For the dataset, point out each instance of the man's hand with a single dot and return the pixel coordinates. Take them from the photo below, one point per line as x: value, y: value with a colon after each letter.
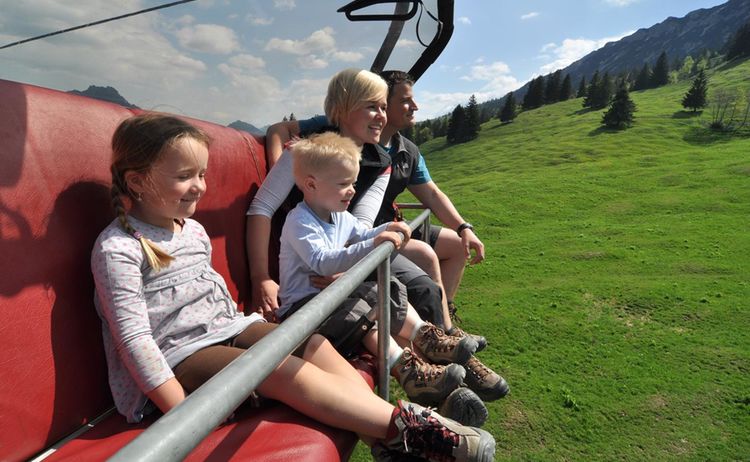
x: 471, y: 241
x: 265, y: 298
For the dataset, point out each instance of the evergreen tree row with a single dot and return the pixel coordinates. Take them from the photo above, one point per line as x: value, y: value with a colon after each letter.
x: 464, y: 124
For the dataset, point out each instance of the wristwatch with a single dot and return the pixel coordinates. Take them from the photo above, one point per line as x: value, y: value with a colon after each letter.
x: 462, y: 227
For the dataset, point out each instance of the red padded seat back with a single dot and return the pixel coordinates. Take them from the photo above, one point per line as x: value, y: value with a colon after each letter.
x: 54, y: 200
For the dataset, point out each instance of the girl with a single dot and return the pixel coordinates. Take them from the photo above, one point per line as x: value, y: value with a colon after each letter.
x: 169, y: 323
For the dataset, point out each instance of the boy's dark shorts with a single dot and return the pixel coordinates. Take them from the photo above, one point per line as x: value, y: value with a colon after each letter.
x: 434, y: 232
x: 358, y: 304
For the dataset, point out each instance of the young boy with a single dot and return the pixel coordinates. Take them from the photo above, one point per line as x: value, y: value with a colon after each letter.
x: 321, y: 238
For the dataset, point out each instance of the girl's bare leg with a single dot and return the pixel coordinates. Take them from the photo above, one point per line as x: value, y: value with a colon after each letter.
x: 327, y: 397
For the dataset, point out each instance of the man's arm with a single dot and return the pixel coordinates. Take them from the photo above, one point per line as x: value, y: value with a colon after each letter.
x: 277, y: 135
x: 433, y: 198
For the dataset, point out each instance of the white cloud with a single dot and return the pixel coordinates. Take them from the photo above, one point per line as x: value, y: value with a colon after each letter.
x: 620, y: 2
x: 258, y: 20
x: 208, y: 38
x: 319, y: 41
x: 248, y: 62
x: 498, y: 81
x: 487, y: 72
x: 464, y: 20
x: 531, y: 15
x: 311, y: 62
x: 573, y: 49
x: 347, y: 56
x: 407, y: 44
x: 284, y: 5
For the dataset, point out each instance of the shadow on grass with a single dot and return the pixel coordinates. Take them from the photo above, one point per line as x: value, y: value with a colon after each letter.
x: 583, y: 111
x: 703, y: 136
x: 686, y: 114
x: 604, y: 129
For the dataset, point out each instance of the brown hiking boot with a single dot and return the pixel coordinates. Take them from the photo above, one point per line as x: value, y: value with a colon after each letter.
x: 440, y: 348
x: 458, y: 332
x: 426, y: 383
x: 424, y: 433
x: 483, y: 381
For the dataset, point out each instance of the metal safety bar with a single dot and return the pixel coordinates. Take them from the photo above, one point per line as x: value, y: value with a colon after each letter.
x: 179, y: 431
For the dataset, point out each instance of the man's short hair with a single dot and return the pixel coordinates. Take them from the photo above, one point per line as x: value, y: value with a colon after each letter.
x: 393, y: 78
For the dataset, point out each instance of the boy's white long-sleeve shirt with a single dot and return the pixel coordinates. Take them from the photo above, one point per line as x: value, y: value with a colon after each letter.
x: 311, y: 246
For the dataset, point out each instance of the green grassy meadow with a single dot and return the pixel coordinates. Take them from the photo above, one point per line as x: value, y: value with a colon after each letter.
x: 616, y: 290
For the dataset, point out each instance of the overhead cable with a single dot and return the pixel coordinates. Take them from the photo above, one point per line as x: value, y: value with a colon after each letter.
x: 166, y: 5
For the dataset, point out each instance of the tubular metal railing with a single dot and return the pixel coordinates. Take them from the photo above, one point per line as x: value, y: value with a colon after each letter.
x: 174, y: 435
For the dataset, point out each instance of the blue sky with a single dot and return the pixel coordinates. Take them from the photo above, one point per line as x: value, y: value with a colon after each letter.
x: 258, y: 60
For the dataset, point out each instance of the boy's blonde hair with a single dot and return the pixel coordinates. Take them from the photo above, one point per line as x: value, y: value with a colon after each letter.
x: 350, y: 90
x: 137, y: 144
x: 325, y: 151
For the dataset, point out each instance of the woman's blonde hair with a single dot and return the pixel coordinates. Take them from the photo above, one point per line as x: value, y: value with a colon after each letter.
x: 137, y: 144
x: 351, y: 89
x: 323, y: 152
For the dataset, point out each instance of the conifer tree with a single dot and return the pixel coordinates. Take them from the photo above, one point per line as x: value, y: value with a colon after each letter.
x: 581, y: 93
x: 552, y: 88
x: 291, y: 116
x: 643, y: 80
x: 472, y: 125
x: 508, y: 112
x: 739, y: 44
x: 534, y: 96
x: 592, y: 90
x: 566, y: 89
x: 620, y: 112
x: 660, y: 76
x: 455, y: 125
x: 695, y: 98
x: 604, y: 94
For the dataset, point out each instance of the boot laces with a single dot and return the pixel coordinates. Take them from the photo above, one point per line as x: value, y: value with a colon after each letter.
x: 438, y: 340
x: 453, y: 312
x: 425, y: 372
x: 425, y: 435
x: 479, y: 370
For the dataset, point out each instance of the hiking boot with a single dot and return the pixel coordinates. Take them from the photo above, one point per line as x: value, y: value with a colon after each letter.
x: 460, y: 333
x: 440, y: 348
x: 424, y: 433
x: 426, y: 383
x: 465, y: 407
x: 483, y: 381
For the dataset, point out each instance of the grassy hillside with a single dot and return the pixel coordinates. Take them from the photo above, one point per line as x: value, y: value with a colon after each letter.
x: 616, y: 290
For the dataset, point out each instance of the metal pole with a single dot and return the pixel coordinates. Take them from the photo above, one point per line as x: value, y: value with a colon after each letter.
x: 384, y: 326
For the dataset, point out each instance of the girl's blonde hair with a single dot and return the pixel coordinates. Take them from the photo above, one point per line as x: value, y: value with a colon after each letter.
x: 323, y: 152
x: 350, y: 90
x: 137, y: 144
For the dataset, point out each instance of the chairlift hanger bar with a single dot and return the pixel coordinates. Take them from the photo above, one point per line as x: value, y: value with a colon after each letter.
x: 400, y: 15
x: 167, y: 5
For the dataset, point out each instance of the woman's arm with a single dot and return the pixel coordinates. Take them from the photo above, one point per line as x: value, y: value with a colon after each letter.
x: 277, y: 135
x: 270, y: 196
x: 367, y: 208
